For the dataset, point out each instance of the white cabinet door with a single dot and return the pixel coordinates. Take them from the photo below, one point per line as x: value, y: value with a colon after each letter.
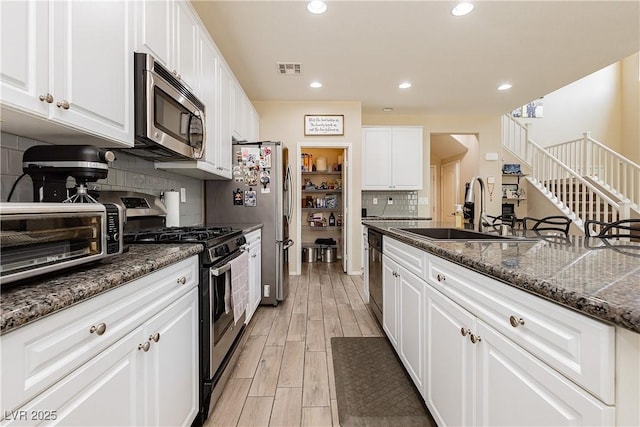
x: 24, y: 55
x: 108, y: 389
x: 171, y: 363
x: 411, y: 328
x: 93, y: 67
x: 210, y: 92
x: 154, y: 29
x: 255, y: 277
x: 238, y: 111
x: 186, y: 36
x: 514, y: 388
x: 390, y: 299
x: 225, y: 117
x: 376, y: 163
x: 253, y: 123
x: 406, y: 159
x: 449, y: 361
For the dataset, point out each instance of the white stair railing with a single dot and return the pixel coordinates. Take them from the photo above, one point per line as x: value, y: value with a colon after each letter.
x: 578, y: 197
x: 515, y: 137
x: 613, y: 171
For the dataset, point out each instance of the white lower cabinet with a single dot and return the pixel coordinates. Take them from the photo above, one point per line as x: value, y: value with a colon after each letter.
x: 448, y: 386
x: 470, y: 369
x: 402, y: 296
x: 390, y: 299
x: 254, y: 247
x: 126, y: 357
x: 515, y: 388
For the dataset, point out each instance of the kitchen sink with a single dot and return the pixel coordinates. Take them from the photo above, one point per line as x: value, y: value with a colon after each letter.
x: 459, y: 234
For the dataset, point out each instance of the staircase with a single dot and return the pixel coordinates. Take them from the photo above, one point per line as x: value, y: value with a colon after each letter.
x: 583, y: 178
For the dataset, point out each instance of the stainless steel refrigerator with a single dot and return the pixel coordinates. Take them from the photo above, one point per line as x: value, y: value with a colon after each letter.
x: 259, y: 192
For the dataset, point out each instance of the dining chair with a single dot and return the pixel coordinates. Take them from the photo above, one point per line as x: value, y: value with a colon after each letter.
x: 549, y: 223
x: 624, y: 228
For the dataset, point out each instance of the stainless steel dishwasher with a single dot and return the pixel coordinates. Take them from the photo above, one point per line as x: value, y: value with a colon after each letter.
x: 375, y: 273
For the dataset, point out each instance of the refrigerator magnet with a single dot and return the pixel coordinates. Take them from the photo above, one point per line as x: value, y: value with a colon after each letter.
x: 265, y: 180
x: 250, y: 176
x: 265, y: 160
x: 238, y: 197
x: 250, y: 198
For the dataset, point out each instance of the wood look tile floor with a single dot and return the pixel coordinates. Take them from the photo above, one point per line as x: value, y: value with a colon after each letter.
x: 284, y: 373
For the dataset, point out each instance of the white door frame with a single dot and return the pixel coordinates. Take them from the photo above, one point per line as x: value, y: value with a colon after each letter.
x: 346, y: 198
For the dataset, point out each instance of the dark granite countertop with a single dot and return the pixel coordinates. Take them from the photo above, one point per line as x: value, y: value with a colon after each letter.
x: 582, y: 274
x: 396, y: 218
x: 24, y: 303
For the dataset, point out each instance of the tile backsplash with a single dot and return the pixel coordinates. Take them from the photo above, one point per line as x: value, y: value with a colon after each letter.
x: 405, y: 203
x: 126, y: 173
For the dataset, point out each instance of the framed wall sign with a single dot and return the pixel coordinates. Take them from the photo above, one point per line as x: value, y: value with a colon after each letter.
x: 324, y: 124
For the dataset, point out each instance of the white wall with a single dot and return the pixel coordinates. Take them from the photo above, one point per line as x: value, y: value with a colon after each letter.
x: 631, y: 108
x: 284, y: 121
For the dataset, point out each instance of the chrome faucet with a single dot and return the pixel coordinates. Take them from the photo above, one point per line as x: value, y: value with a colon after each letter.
x: 471, y: 197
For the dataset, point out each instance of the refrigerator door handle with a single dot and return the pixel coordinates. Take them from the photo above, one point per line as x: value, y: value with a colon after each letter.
x: 287, y: 244
x: 288, y: 189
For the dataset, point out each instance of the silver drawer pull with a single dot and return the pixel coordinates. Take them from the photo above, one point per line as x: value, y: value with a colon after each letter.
x: 100, y: 329
x: 182, y: 280
x: 155, y: 337
x: 464, y: 331
x: 475, y: 338
x: 46, y: 97
x: 516, y: 321
x: 145, y: 347
x: 63, y: 104
x: 441, y: 278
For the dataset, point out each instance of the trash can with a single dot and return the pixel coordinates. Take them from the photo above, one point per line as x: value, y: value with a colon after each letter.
x: 329, y: 254
x: 309, y: 254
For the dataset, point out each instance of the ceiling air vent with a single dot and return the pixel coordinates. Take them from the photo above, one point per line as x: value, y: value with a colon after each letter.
x: 289, y: 68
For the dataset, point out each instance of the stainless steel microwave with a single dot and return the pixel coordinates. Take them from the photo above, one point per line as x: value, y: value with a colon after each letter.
x: 169, y: 119
x: 39, y: 238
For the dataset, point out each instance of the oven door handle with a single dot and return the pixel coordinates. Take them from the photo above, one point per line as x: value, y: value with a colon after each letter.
x: 219, y: 271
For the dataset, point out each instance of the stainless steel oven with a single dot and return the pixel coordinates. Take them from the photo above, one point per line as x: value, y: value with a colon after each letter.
x: 169, y: 119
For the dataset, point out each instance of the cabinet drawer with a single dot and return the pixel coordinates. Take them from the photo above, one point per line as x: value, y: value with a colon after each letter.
x: 577, y: 346
x: 46, y: 350
x: 413, y: 259
x: 253, y: 237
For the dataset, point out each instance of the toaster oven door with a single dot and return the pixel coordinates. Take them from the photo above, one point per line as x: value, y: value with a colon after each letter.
x: 36, y: 243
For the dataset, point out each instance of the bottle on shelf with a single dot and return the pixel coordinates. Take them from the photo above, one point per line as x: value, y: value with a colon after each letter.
x: 332, y: 220
x: 459, y: 216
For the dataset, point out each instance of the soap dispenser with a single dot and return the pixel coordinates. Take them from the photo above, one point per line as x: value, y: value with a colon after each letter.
x: 459, y: 216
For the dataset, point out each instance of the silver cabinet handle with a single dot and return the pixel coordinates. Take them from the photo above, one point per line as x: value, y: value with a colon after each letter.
x: 516, y: 321
x: 182, y: 280
x: 99, y: 330
x: 254, y: 255
x: 464, y: 331
x: 145, y: 347
x: 63, y: 104
x: 46, y: 97
x: 441, y: 278
x: 475, y: 338
x: 155, y: 337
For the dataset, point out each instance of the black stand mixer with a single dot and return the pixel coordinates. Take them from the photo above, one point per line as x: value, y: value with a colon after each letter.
x: 49, y: 166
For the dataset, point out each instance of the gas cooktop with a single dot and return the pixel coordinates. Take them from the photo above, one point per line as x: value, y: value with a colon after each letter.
x: 208, y: 235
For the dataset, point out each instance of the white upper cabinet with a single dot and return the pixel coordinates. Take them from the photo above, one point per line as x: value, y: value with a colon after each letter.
x: 70, y: 62
x: 170, y: 32
x: 224, y: 120
x: 392, y: 158
x: 25, y: 55
x: 186, y: 37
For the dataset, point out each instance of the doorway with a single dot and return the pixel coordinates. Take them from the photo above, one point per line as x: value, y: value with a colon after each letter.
x: 324, y: 200
x: 450, y: 189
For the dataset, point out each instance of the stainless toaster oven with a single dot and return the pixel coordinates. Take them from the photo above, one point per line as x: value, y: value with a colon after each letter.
x: 39, y: 238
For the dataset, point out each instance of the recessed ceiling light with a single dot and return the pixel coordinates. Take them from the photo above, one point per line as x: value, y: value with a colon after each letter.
x: 315, y: 85
x: 405, y: 85
x: 387, y: 109
x: 504, y: 86
x: 317, y: 7
x: 462, y: 9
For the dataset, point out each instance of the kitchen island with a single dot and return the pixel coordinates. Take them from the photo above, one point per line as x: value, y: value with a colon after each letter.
x: 541, y: 332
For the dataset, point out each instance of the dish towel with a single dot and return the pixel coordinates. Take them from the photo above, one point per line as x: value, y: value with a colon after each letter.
x: 240, y: 283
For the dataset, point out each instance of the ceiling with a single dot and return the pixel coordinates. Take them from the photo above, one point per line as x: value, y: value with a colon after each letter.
x: 362, y: 50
